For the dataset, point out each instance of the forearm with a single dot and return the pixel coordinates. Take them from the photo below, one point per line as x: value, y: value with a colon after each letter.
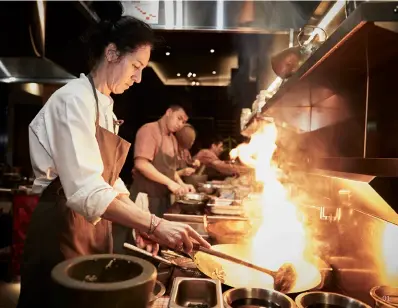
x: 224, y: 168
x: 150, y: 172
x: 123, y: 211
x: 178, y: 179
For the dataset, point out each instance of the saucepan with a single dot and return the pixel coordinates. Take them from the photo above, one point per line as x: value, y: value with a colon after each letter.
x: 310, y: 276
x: 385, y: 296
x: 192, y: 202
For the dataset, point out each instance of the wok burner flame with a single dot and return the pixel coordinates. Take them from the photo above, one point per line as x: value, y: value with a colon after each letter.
x: 281, y: 237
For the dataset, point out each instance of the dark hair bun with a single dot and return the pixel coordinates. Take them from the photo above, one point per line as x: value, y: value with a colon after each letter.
x: 110, y: 11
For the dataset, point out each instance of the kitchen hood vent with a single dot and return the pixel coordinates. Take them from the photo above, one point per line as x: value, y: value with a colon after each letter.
x: 37, y: 69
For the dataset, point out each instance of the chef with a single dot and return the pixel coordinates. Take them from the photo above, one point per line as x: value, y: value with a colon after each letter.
x: 77, y: 157
x: 155, y: 161
x: 215, y: 167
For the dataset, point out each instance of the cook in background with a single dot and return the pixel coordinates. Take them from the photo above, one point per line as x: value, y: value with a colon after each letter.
x: 77, y: 157
x: 186, y: 137
x: 216, y: 169
x: 155, y: 160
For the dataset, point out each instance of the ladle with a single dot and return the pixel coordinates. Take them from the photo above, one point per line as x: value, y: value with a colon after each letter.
x: 284, y: 278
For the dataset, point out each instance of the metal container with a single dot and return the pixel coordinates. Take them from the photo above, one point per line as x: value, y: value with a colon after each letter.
x: 246, y: 297
x: 207, y: 188
x: 195, y: 197
x: 325, y: 299
x: 104, y: 280
x: 202, y: 292
x: 384, y: 296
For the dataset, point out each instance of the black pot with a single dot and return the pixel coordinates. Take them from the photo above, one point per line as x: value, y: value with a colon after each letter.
x: 106, y: 280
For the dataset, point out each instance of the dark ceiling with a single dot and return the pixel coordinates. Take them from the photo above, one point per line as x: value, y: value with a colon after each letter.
x: 189, y: 51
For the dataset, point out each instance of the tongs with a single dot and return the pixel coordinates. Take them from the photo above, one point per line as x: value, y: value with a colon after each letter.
x: 158, y: 258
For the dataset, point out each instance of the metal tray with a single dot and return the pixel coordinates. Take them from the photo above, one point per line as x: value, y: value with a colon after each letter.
x: 187, y: 292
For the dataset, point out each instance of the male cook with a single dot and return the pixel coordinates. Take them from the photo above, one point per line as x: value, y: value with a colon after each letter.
x: 155, y: 161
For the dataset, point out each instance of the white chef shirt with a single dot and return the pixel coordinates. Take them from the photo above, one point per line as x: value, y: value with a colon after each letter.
x: 62, y: 143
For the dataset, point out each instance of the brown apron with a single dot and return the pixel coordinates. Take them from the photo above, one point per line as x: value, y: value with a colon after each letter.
x: 158, y: 194
x: 57, y: 233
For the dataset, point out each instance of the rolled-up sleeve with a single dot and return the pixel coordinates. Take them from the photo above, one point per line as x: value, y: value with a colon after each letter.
x: 70, y: 125
x: 120, y: 187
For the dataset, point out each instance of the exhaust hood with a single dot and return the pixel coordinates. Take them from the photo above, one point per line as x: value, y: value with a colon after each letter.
x: 31, y: 69
x: 272, y: 17
x: 37, y: 69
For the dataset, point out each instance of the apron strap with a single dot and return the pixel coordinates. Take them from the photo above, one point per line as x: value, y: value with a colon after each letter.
x: 175, y: 152
x: 90, y: 78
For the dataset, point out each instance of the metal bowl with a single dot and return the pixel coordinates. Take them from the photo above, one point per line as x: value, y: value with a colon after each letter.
x: 324, y: 299
x: 206, y: 188
x: 384, y: 296
x: 242, y: 297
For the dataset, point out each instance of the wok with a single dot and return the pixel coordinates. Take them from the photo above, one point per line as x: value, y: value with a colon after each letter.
x: 229, y: 232
x: 238, y: 276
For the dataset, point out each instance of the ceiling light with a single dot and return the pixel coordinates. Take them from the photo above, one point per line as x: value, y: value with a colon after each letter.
x: 189, y: 74
x: 211, y: 50
x: 167, y: 53
x: 193, y: 75
x: 214, y: 72
x: 197, y: 83
x: 178, y: 74
x: 193, y: 83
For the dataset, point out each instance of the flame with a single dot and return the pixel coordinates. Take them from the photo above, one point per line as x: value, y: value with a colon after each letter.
x: 390, y: 255
x: 281, y: 237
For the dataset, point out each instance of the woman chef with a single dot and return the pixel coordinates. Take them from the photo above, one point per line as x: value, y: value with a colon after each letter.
x: 77, y: 157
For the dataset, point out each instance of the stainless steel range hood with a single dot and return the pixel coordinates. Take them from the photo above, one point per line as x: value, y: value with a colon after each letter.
x: 37, y: 69
x: 31, y: 69
x: 275, y: 17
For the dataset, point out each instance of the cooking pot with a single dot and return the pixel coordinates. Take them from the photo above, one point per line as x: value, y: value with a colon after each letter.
x: 324, y: 299
x: 105, y: 280
x: 385, y: 296
x: 246, y: 297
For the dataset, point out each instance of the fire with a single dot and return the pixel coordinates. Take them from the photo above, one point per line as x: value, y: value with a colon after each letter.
x: 281, y: 237
x: 390, y: 255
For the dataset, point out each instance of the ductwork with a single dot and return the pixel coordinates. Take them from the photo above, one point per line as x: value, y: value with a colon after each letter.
x: 37, y: 69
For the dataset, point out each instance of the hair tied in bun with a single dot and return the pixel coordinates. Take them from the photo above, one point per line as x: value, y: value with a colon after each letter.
x: 108, y: 11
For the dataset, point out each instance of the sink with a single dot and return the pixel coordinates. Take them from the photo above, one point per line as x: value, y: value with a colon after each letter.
x: 191, y: 292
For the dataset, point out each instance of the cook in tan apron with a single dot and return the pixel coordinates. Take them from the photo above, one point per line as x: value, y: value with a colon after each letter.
x: 158, y: 194
x: 57, y: 233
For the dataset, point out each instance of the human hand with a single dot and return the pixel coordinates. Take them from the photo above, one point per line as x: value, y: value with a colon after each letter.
x: 196, y: 163
x: 143, y: 241
x: 188, y: 171
x: 191, y: 188
x: 179, y: 190
x: 177, y: 236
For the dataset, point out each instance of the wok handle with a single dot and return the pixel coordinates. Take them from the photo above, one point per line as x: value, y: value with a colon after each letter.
x: 233, y: 259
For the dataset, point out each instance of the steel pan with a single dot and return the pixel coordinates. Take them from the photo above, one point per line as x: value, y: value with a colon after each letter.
x: 238, y: 276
